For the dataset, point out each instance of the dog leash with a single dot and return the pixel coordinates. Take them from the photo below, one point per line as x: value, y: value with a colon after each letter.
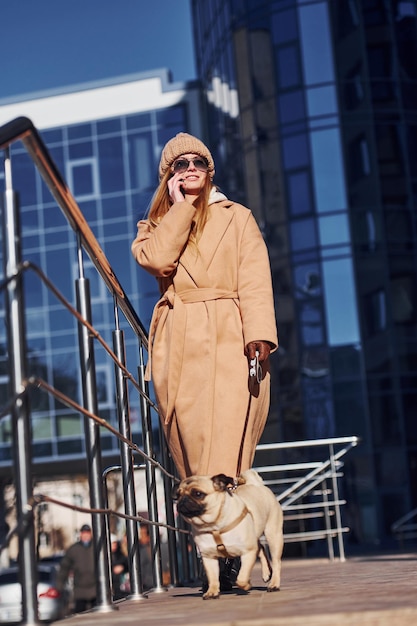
x: 245, y: 426
x: 217, y: 533
x: 255, y: 373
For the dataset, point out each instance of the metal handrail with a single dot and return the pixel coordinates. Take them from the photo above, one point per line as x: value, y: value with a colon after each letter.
x: 309, y: 443
x: 23, y: 129
x: 396, y: 526
x: 403, y: 528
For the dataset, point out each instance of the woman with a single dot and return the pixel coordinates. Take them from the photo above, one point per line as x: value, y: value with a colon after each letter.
x: 215, y: 313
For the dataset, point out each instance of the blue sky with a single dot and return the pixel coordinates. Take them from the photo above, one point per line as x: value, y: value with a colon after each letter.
x: 46, y: 44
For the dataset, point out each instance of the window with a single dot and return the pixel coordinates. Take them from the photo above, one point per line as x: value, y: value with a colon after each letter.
x: 141, y: 160
x: 111, y: 165
x: 311, y: 324
x: 307, y: 280
x: 295, y: 151
x: 403, y: 299
x: 109, y: 126
x: 142, y: 120
x: 79, y: 131
x: 41, y: 427
x: 24, y: 179
x: 52, y: 136
x: 33, y: 286
x: 80, y: 150
x: 340, y: 302
x: 316, y: 47
x: 82, y: 177
x: 383, y: 410
x: 5, y: 422
x: 171, y: 116
x: 69, y: 425
x: 299, y: 193
x: 399, y: 229
x: 284, y: 26
x: 291, y: 107
x: 58, y: 271
x: 288, y: 67
x: 390, y: 148
x: 376, y: 311
x: 321, y: 101
x: 105, y: 389
x: 354, y: 89
x: 348, y: 17
x: 328, y: 171
x: 367, y: 230
x: 359, y: 159
x: 380, y: 69
x: 303, y: 234
x: 334, y: 230
x: 65, y: 372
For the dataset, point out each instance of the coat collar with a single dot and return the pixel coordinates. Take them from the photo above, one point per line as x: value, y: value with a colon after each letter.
x: 216, y: 195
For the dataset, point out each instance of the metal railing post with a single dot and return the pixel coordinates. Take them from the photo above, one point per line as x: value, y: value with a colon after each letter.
x: 327, y: 519
x: 21, y: 411
x: 169, y: 511
x: 337, y: 507
x: 150, y: 477
x: 184, y: 546
x: 127, y: 467
x: 93, y: 447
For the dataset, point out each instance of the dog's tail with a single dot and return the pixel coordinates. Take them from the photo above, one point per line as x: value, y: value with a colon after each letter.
x: 250, y: 477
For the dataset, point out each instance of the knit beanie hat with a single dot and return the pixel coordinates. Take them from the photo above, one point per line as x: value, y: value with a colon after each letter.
x: 183, y: 143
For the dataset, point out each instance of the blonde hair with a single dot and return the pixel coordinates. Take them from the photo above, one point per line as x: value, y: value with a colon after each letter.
x: 161, y: 203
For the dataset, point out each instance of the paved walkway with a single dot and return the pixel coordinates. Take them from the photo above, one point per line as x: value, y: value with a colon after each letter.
x: 378, y: 590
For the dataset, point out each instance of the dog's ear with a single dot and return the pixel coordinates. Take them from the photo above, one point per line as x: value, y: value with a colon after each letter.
x: 221, y: 481
x: 174, y: 491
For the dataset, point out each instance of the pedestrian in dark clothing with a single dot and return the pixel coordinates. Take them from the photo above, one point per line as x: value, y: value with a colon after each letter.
x: 79, y: 561
x: 119, y: 568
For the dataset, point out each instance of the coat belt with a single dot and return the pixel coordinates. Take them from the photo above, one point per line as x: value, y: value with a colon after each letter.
x: 177, y: 301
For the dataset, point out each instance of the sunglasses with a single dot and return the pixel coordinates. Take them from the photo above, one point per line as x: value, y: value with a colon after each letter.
x: 181, y: 165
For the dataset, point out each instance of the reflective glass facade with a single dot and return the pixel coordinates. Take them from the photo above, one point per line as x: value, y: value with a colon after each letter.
x: 322, y: 147
x: 110, y: 165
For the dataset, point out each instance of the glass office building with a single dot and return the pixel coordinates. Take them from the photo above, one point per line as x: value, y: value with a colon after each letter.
x: 311, y: 106
x: 106, y: 139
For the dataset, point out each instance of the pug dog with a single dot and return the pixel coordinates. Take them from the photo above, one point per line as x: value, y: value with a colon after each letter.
x: 228, y: 518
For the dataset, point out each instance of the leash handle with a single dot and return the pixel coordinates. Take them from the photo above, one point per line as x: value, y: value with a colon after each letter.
x: 255, y: 368
x: 255, y: 373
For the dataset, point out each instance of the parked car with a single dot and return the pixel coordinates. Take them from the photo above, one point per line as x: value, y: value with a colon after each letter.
x: 50, y: 601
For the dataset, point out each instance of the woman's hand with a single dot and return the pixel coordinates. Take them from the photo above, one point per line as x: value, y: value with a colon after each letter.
x: 175, y: 188
x: 262, y: 347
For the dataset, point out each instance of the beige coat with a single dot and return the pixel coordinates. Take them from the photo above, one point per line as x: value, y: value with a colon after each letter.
x: 214, y: 302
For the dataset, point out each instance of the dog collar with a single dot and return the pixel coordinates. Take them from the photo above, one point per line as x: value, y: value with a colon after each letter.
x: 217, y: 533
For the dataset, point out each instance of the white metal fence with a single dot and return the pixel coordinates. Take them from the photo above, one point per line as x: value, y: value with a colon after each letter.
x: 306, y: 482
